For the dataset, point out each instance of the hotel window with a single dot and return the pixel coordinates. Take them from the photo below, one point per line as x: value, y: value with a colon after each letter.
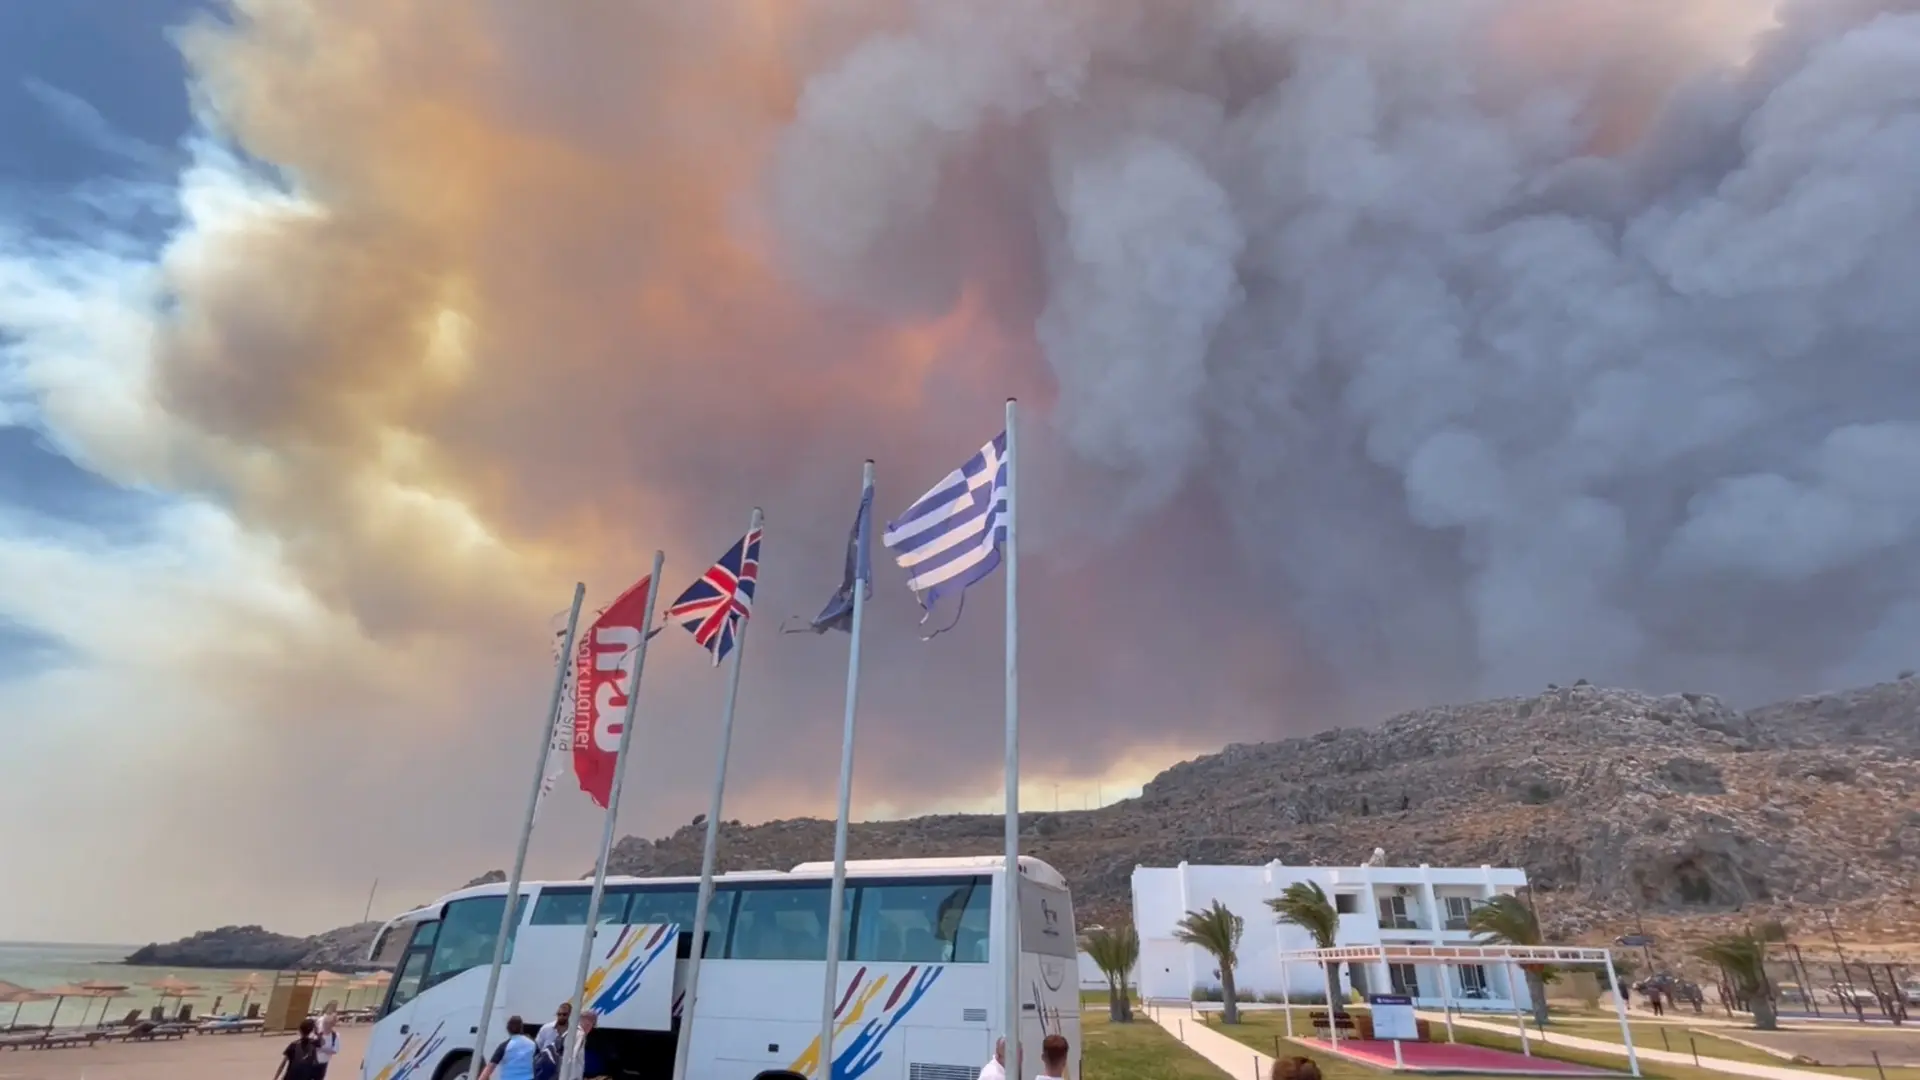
x: 1405, y: 980
x: 1458, y: 908
x: 1473, y: 981
x: 1393, y: 913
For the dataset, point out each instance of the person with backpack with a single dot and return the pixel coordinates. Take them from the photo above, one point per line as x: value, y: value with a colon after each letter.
x: 326, y: 1037
x: 512, y: 1059
x: 301, y: 1059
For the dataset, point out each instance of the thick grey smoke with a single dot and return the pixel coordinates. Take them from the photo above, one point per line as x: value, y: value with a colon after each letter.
x: 1515, y: 347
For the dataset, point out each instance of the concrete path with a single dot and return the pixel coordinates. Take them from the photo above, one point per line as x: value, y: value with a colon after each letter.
x: 1574, y: 1042
x: 1230, y: 1056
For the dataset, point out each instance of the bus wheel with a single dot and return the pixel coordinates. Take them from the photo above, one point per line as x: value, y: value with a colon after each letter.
x: 455, y: 1067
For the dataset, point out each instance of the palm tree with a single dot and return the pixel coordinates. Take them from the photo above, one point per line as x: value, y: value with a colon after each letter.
x: 1217, y: 930
x: 1116, y: 952
x: 1505, y: 920
x: 1743, y: 957
x: 1304, y: 904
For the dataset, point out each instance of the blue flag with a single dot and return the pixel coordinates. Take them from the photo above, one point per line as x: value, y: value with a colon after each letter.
x: 838, y: 614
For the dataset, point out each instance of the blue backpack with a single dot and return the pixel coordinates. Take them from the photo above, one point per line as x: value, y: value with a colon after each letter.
x: 546, y: 1061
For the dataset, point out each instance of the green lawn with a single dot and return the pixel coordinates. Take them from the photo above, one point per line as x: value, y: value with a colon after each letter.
x: 1137, y: 1051
x: 1260, y: 1029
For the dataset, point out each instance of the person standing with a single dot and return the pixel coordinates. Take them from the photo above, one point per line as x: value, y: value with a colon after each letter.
x: 555, y: 1029
x: 996, y: 1066
x: 1053, y: 1057
x: 326, y: 1039
x: 300, y: 1060
x: 512, y: 1059
x: 583, y: 1060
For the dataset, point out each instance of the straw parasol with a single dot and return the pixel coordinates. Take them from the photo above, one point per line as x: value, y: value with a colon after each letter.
x: 172, y: 987
x: 246, y: 988
x: 16, y: 995
x: 366, y: 981
x: 328, y: 978
x: 64, y: 991
x: 107, y: 990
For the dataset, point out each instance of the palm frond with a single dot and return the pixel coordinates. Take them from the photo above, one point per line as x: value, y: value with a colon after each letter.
x: 1504, y: 920
x: 1304, y: 904
x: 1215, y: 929
x: 1114, y: 952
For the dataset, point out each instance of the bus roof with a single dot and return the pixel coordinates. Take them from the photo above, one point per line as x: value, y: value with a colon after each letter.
x: 1031, y: 868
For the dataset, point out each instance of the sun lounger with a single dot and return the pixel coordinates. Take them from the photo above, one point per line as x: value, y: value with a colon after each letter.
x: 148, y: 1031
x: 63, y: 1040
x: 231, y: 1026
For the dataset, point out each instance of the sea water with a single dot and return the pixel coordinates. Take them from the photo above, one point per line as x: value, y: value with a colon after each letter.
x: 45, y: 965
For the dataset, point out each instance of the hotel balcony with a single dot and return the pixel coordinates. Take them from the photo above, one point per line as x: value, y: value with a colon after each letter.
x: 1407, y: 923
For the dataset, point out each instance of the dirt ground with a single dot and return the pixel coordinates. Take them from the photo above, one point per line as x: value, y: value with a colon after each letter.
x: 198, y: 1057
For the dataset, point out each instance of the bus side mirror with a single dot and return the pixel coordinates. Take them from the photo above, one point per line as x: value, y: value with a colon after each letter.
x: 780, y: 1074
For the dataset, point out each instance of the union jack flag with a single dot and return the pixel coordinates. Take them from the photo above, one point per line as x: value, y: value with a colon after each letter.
x: 714, y: 608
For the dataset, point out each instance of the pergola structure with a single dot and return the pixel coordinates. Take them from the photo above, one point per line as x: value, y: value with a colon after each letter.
x: 1509, y: 958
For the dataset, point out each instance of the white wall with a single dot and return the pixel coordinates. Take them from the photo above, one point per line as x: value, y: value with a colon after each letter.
x: 1091, y: 977
x: 1171, y: 970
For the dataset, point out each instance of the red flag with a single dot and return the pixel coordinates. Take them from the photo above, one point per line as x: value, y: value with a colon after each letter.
x: 602, y: 665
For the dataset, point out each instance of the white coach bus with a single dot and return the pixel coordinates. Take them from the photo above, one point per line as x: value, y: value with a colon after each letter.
x: 921, y: 987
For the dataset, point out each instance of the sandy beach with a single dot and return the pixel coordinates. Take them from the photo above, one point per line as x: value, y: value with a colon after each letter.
x: 198, y: 1057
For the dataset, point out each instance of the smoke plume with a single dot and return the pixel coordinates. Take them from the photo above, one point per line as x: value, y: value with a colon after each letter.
x: 1374, y: 352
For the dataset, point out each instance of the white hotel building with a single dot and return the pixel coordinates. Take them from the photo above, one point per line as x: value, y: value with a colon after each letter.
x: 1378, y: 905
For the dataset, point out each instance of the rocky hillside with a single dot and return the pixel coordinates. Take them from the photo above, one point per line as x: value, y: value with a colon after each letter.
x: 1675, y: 813
x: 254, y: 947
x: 1623, y: 807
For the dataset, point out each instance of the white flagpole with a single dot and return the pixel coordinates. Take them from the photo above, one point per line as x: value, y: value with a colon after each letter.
x: 613, y: 796
x: 511, y: 908
x: 1015, y: 1066
x: 684, y: 1041
x: 830, y: 992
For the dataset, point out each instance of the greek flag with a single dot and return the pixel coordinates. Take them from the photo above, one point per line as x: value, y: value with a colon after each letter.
x: 951, y: 537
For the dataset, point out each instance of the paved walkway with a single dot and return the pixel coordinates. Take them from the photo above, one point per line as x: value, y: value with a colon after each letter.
x: 1231, y: 1056
x: 1574, y: 1042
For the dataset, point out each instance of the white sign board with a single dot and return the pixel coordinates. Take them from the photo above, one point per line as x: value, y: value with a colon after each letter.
x: 629, y: 979
x: 1393, y: 1018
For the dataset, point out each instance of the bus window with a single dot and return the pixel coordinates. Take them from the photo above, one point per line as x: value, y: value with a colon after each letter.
x: 412, y: 967
x: 785, y: 922
x: 924, y: 922
x: 407, y: 984
x: 467, y: 932
x: 719, y: 921
x: 652, y: 906
x: 568, y: 907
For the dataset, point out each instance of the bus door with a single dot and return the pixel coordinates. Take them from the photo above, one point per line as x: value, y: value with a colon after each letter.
x: 395, y: 1040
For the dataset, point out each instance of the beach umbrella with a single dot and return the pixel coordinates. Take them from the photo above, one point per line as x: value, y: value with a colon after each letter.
x: 16, y: 995
x: 171, y: 987
x: 106, y: 990
x: 375, y: 981
x: 61, y: 993
x: 328, y: 978
x: 246, y: 988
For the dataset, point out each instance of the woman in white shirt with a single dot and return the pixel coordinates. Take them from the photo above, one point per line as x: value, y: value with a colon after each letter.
x: 328, y: 1034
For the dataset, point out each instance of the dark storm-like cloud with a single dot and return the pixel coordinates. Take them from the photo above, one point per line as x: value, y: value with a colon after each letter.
x: 1373, y: 353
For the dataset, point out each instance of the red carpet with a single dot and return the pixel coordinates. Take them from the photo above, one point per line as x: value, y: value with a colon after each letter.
x: 1454, y: 1057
